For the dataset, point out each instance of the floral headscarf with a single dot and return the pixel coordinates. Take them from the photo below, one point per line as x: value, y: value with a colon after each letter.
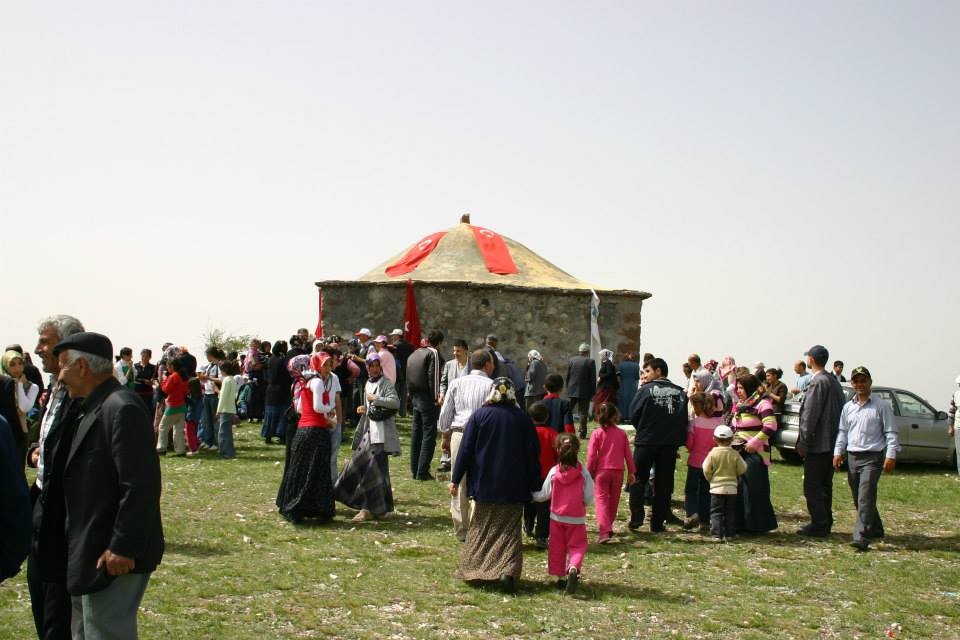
x: 503, y: 391
x: 533, y: 354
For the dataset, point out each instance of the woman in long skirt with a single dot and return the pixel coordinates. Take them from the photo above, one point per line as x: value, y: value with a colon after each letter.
x: 499, y: 457
x: 307, y: 488
x: 364, y: 483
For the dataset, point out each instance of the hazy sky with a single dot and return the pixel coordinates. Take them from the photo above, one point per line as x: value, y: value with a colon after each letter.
x: 775, y: 174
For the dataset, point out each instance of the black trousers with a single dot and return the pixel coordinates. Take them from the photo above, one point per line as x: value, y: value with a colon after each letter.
x: 582, y: 407
x: 723, y: 515
x: 665, y: 460
x: 818, y: 490
x: 50, y: 603
x: 536, y: 519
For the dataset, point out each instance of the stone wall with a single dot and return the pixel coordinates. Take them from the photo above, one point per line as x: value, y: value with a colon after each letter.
x: 552, y: 321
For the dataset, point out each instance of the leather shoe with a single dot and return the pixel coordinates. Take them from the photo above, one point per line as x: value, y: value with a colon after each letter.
x: 508, y: 584
x: 810, y: 532
x: 860, y: 545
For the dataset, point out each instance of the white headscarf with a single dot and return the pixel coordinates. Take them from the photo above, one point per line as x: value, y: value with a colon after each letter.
x: 533, y: 354
x: 606, y: 354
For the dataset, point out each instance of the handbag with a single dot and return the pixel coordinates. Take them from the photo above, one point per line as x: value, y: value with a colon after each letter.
x: 379, y: 414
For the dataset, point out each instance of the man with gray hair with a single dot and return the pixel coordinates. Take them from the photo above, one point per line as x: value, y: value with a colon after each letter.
x: 46, y: 565
x: 582, y: 384
x: 111, y: 492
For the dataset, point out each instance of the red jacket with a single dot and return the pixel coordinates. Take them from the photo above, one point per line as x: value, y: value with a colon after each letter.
x: 176, y: 390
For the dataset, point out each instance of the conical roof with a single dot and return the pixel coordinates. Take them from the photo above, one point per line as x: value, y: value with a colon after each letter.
x: 457, y: 258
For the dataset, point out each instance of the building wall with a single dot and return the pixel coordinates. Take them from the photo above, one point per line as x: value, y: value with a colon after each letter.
x: 552, y: 321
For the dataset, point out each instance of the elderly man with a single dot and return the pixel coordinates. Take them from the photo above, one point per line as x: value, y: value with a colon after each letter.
x: 111, y: 492
x: 465, y: 395
x: 581, y: 384
x: 499, y: 362
x: 46, y: 565
x: 870, y: 437
x: 803, y: 377
x: 819, y: 422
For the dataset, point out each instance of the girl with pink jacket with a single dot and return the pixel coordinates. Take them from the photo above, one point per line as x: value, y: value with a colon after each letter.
x: 569, y: 488
x: 607, y: 455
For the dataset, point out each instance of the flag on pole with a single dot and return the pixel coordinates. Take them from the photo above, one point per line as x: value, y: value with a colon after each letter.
x: 318, y: 332
x: 411, y: 320
x: 595, y: 344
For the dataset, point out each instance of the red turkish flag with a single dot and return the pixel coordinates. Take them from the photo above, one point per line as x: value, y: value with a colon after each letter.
x: 411, y: 320
x: 318, y: 332
x: 417, y: 254
x: 494, y: 250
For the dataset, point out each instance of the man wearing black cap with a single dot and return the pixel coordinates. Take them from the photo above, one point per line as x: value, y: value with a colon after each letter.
x: 869, y: 435
x: 111, y: 491
x: 820, y: 410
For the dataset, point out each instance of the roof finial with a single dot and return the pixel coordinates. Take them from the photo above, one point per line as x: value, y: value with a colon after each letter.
x: 465, y: 218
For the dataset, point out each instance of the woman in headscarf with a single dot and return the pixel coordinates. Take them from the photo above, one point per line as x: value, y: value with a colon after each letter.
x: 607, y: 381
x: 536, y: 375
x: 364, y: 483
x: 21, y: 394
x: 753, y: 424
x: 499, y: 455
x: 307, y: 489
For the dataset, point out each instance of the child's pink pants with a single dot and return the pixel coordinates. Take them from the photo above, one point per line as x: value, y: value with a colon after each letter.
x: 606, y: 494
x: 193, y: 442
x: 566, y: 540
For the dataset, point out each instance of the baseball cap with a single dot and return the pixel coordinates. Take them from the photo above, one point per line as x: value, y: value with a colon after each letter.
x: 364, y: 332
x: 95, y: 344
x: 381, y: 338
x: 861, y: 371
x: 723, y: 431
x: 584, y: 347
x: 818, y: 352
x: 397, y: 332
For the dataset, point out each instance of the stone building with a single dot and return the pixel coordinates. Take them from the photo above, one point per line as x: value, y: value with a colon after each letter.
x: 537, y: 306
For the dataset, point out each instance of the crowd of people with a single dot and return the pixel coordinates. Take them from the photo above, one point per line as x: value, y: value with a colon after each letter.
x: 510, y: 438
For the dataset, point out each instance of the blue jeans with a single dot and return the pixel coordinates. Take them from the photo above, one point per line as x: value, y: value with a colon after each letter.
x: 336, y: 435
x: 208, y: 426
x: 423, y: 438
x: 697, y: 494
x: 272, y: 421
x: 225, y: 436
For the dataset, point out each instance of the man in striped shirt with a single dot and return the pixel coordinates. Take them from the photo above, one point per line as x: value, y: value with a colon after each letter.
x: 464, y: 396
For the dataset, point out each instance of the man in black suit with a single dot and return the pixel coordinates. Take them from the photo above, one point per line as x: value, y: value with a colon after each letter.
x: 582, y: 384
x: 111, y: 491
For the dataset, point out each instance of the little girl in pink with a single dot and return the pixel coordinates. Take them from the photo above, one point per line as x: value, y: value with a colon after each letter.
x: 607, y: 455
x: 569, y: 488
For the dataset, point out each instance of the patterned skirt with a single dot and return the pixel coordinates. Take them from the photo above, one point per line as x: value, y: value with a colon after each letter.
x: 306, y: 490
x: 364, y: 482
x: 493, y: 548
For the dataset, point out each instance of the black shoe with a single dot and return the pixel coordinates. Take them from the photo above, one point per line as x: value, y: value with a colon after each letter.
x: 541, y: 543
x: 425, y: 476
x: 561, y: 584
x: 634, y: 526
x: 508, y: 584
x: 573, y: 580
x: 444, y: 467
x: 860, y: 545
x: 810, y: 532
x: 268, y: 440
x: 660, y: 529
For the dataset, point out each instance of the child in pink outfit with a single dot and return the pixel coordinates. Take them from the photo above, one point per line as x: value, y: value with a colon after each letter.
x: 607, y: 455
x: 569, y: 488
x: 699, y: 443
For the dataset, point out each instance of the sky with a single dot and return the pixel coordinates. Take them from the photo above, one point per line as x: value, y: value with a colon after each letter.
x: 776, y: 174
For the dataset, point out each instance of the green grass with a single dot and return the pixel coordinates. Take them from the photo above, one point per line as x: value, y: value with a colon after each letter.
x: 234, y: 569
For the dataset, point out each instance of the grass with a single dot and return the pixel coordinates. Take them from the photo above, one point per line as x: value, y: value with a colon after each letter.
x: 234, y: 569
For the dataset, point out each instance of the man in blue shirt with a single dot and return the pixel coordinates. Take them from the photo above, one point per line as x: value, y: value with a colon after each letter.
x: 869, y: 435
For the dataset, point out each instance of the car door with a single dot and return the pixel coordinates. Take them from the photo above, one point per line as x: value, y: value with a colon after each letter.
x: 924, y: 436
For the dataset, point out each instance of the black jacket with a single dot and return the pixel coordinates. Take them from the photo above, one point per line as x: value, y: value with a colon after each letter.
x: 659, y: 414
x: 111, y: 488
x: 423, y: 371
x: 14, y: 507
x: 581, y: 377
x: 820, y: 410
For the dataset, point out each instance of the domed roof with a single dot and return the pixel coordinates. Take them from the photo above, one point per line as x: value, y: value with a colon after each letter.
x: 457, y: 257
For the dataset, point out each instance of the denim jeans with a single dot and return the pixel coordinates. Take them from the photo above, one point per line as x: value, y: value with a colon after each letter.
x: 423, y: 437
x: 208, y: 424
x: 225, y: 436
x: 696, y: 492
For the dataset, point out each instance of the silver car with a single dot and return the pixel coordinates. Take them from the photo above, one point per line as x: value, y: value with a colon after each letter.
x: 923, y: 429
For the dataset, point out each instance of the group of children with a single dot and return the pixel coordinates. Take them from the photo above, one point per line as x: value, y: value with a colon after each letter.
x: 569, y: 486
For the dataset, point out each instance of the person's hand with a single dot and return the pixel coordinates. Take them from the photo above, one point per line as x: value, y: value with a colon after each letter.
x: 631, y: 479
x: 116, y: 565
x: 371, y: 397
x: 801, y: 451
x: 361, y: 410
x: 950, y: 430
x: 35, y: 457
x: 837, y: 461
x: 749, y: 448
x: 889, y: 465
x: 453, y: 489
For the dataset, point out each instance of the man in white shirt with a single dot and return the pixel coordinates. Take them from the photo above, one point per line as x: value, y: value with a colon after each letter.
x: 465, y: 395
x: 455, y: 368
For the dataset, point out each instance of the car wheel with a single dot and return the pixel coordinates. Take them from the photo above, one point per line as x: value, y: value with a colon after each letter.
x: 789, y: 455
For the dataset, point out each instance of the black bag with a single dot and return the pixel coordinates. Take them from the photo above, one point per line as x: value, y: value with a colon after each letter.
x: 379, y: 414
